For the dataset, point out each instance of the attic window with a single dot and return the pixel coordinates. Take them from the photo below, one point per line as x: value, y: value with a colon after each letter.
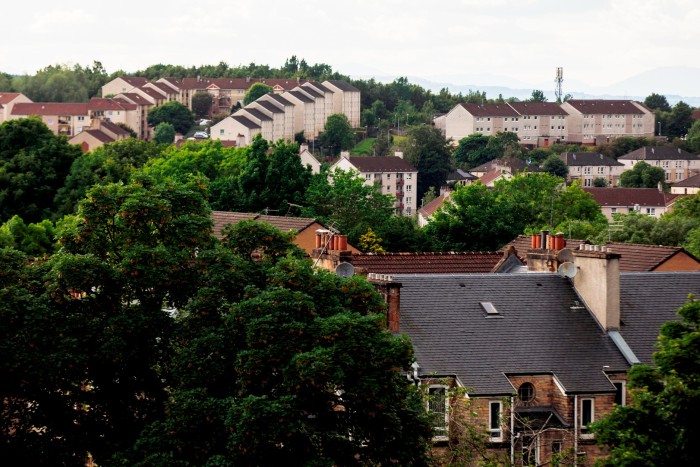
x: 490, y: 310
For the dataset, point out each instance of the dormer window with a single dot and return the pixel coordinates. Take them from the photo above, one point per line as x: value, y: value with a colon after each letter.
x: 526, y: 392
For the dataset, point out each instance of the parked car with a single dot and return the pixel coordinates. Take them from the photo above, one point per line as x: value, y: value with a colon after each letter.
x: 201, y: 135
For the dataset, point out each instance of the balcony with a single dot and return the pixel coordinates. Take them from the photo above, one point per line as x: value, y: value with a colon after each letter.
x: 399, y: 194
x: 398, y: 205
x: 400, y: 181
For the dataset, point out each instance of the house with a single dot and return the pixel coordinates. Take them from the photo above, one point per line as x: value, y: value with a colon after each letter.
x: 511, y: 166
x: 239, y: 128
x: 346, y: 100
x: 599, y: 121
x: 98, y: 134
x: 650, y: 201
x: 689, y: 186
x: 392, y: 174
x: 469, y: 262
x: 540, y: 356
x: 304, y: 117
x: 425, y: 213
x: 8, y: 101
x: 122, y: 84
x: 460, y: 177
x: 588, y: 166
x: 308, y: 159
x: 541, y: 123
x: 634, y: 257
x: 490, y: 178
x: 305, y: 229
x: 677, y: 163
x: 140, y: 115
x: 63, y: 118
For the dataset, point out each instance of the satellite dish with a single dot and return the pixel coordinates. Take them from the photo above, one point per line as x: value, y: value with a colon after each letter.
x: 565, y: 255
x: 568, y: 269
x: 345, y: 270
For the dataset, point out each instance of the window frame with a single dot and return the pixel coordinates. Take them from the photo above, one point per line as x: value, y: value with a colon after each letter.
x: 496, y: 426
x: 441, y: 432
x: 587, y: 416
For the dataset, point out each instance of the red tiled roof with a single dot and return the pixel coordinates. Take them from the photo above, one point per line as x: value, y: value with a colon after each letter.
x: 630, y: 196
x: 165, y: 88
x: 492, y: 175
x: 639, y: 258
x: 604, y: 106
x: 101, y: 103
x: 7, y: 97
x: 223, y: 218
x: 50, y: 108
x: 522, y: 243
x: 490, y: 110
x: 133, y: 98
x: 153, y: 93
x: 479, y: 262
x: 381, y: 164
x: 430, y: 208
x: 537, y: 108
x: 135, y: 81
x: 100, y: 136
x: 114, y: 128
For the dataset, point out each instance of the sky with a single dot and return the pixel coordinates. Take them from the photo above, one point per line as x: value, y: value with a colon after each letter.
x: 496, y: 42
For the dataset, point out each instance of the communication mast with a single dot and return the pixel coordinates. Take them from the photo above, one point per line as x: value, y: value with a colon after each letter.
x: 557, y: 83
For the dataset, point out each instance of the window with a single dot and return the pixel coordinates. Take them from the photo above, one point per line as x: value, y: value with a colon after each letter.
x: 531, y: 452
x: 408, y: 188
x: 587, y: 182
x: 668, y: 176
x: 221, y: 132
x: 613, y: 210
x: 408, y: 176
x: 556, y: 446
x: 408, y: 211
x: 651, y: 211
x: 408, y: 200
x: 388, y: 176
x: 587, y: 170
x: 586, y: 414
x: 601, y: 170
x: 437, y: 409
x: 679, y: 175
x: 526, y: 392
x: 495, y: 414
x: 620, y: 397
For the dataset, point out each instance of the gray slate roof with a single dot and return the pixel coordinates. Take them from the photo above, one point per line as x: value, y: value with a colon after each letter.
x: 572, y: 159
x: 538, y: 333
x: 647, y: 301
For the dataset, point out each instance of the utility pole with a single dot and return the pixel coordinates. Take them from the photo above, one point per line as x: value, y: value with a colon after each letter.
x: 557, y: 84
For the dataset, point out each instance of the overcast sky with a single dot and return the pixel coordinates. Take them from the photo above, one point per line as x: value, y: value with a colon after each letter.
x: 498, y: 42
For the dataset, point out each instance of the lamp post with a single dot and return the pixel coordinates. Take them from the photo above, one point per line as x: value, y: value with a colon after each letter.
x: 659, y: 128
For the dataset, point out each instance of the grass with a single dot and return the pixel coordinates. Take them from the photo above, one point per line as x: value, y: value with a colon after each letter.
x: 363, y: 148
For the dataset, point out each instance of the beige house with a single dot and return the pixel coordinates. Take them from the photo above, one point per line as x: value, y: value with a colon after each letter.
x: 649, y: 201
x: 587, y: 166
x: 540, y: 123
x: 319, y: 109
x: 677, y: 163
x: 8, y: 101
x: 288, y: 113
x: 393, y: 175
x: 600, y: 121
x: 100, y: 133
x: 122, y: 84
x: 689, y: 186
x: 260, y: 118
x: 62, y: 118
x: 238, y: 128
x: 308, y: 159
x: 488, y: 119
x: 140, y: 116
x: 304, y: 119
x: 346, y: 100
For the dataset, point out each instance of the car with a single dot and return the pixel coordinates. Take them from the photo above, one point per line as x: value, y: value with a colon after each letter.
x: 201, y: 135
x: 203, y: 122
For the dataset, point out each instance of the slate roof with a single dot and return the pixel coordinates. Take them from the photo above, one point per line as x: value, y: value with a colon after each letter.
x: 100, y: 135
x: 630, y: 196
x: 318, y: 86
x: 269, y: 106
x: 50, y: 108
x: 278, y: 98
x: 257, y: 113
x: 537, y: 108
x: 245, y: 122
x: 515, y: 165
x: 470, y: 262
x: 572, y: 159
x: 490, y: 110
x: 647, y: 301
x: 301, y: 96
x: 459, y: 175
x: 381, y: 164
x: 655, y: 153
x: 604, y: 106
x: 223, y: 218
x: 312, y: 92
x: 536, y: 331
x: 343, y: 85
x: 690, y: 182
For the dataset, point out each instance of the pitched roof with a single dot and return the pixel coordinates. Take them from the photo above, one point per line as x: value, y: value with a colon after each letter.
x: 311, y: 91
x: 114, y: 128
x: 300, y: 95
x: 647, y: 301
x: 135, y: 81
x: 636, y: 257
x: 257, y: 113
x: 381, y: 164
x: 535, y: 331
x: 7, y: 97
x: 493, y: 175
x: 318, y: 86
x: 134, y: 98
x: 690, y: 182
x: 165, y: 88
x: 614, y: 196
x: 269, y: 106
x: 459, y: 174
x: 428, y: 263
x: 537, y: 108
x: 245, y: 122
x: 224, y: 218
x: 236, y: 83
x: 50, y: 108
x: 522, y: 243
x: 101, y: 103
x: 430, y: 208
x: 515, y: 165
x: 278, y: 98
x: 573, y: 159
x: 490, y: 110
x: 343, y: 85
x: 655, y: 153
x: 152, y: 92
x: 100, y: 136
x: 604, y: 106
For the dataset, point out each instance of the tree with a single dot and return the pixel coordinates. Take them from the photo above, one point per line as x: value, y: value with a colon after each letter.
x: 537, y: 96
x: 173, y: 112
x: 341, y: 199
x: 383, y: 141
x: 164, y: 133
x: 471, y: 151
x: 256, y: 91
x: 693, y: 138
x: 600, y: 182
x: 659, y: 426
x: 201, y: 104
x: 680, y: 120
x: 643, y: 175
x: 553, y: 165
x: 428, y: 151
x: 31, y: 239
x: 657, y: 102
x: 33, y: 166
x: 337, y: 134
x: 505, y: 145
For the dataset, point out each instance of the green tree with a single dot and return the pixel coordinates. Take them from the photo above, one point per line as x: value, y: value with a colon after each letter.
x: 201, y: 104
x: 537, y: 96
x: 34, y: 164
x: 600, y: 182
x: 341, y: 199
x: 173, y: 112
x: 657, y: 102
x: 680, y: 120
x: 31, y: 239
x: 658, y: 427
x: 337, y: 134
x: 383, y: 142
x: 256, y: 91
x: 402, y: 234
x: 370, y: 242
x: 471, y: 151
x: 429, y: 152
x: 553, y: 165
x: 623, y: 145
x: 164, y: 133
x: 505, y: 145
x: 643, y: 175
x: 693, y: 138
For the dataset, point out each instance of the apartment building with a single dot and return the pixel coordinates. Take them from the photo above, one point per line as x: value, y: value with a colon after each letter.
x: 599, y: 121
x: 678, y: 164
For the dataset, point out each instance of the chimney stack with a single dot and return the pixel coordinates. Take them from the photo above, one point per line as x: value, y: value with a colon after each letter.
x: 597, y: 281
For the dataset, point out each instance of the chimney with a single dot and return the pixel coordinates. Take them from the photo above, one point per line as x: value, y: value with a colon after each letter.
x: 660, y: 187
x: 303, y: 147
x: 391, y: 291
x: 345, y: 154
x: 597, y: 281
x: 399, y: 154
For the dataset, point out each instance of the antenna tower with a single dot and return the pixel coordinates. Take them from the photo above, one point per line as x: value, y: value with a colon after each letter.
x: 557, y: 83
